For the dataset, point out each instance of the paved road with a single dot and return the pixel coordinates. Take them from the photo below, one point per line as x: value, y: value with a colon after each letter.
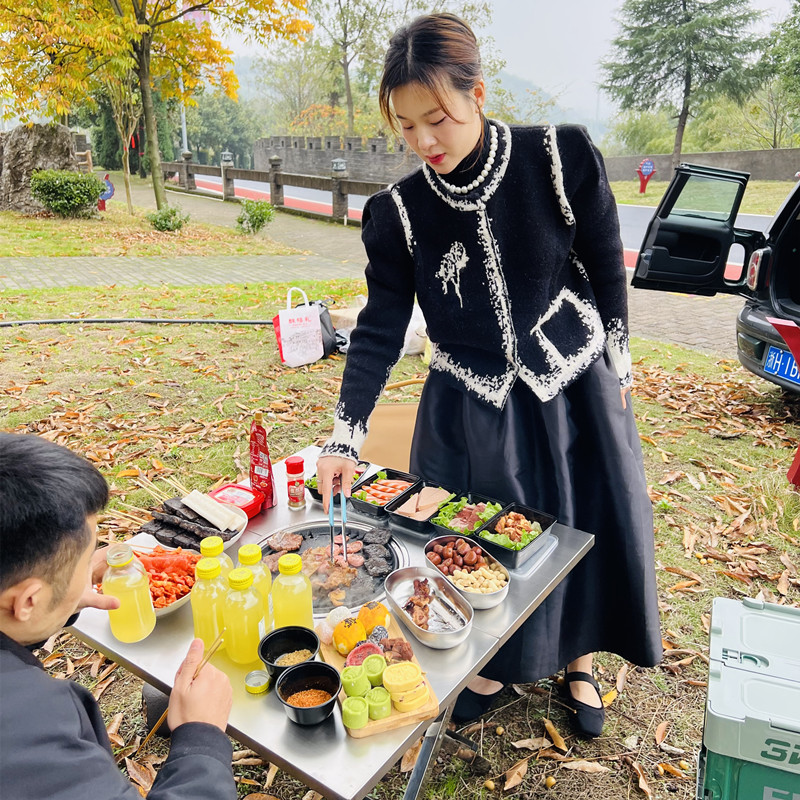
x: 335, y: 251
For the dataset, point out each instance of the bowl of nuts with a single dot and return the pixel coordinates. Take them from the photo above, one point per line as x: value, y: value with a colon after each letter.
x: 479, y: 577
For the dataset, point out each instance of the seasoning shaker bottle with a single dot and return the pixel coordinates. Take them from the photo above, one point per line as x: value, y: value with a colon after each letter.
x: 295, y: 481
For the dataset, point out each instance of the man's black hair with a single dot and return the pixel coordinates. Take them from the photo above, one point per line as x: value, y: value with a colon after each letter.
x: 46, y: 494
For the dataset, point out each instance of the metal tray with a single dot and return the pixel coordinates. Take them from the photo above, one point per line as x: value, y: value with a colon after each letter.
x: 472, y: 497
x: 516, y: 558
x: 477, y: 600
x: 371, y: 510
x: 420, y: 526
x: 447, y: 603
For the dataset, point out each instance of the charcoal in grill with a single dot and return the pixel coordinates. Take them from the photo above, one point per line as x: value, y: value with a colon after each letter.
x: 377, y: 536
x: 375, y: 551
x: 376, y: 567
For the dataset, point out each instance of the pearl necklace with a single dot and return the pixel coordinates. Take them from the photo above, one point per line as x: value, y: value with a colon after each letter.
x: 484, y: 172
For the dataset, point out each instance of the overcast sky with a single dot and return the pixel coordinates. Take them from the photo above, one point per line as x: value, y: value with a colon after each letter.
x: 557, y: 45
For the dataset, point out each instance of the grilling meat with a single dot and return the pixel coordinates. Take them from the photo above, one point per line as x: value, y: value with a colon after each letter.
x: 285, y: 541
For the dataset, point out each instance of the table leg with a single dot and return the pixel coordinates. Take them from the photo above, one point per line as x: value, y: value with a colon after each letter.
x: 431, y: 743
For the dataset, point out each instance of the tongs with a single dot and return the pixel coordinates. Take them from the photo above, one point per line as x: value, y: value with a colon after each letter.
x: 343, y: 505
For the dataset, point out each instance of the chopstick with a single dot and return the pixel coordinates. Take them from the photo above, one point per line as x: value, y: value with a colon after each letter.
x: 210, y: 652
x: 343, y: 504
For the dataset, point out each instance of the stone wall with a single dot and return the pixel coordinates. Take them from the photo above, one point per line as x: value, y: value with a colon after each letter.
x: 366, y: 161
x: 26, y: 149
x: 371, y: 160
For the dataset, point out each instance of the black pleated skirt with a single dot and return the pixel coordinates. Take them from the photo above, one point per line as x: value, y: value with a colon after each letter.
x: 577, y: 457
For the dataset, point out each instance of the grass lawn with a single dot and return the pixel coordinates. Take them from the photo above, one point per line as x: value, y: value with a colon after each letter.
x: 116, y: 233
x: 177, y: 400
x: 760, y: 197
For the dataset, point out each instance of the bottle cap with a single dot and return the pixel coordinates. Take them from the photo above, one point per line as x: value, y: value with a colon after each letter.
x: 258, y: 418
x: 294, y: 465
x: 207, y: 568
x: 290, y: 564
x: 119, y: 555
x: 249, y: 554
x: 240, y: 578
x: 211, y: 546
x: 257, y: 681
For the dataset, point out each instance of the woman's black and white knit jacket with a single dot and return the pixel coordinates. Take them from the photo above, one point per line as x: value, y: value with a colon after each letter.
x: 520, y: 278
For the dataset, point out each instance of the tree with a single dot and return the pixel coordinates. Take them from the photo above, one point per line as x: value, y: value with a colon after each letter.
x: 126, y: 108
x: 51, y: 51
x: 296, y: 77
x: 219, y: 123
x: 678, y: 53
x: 783, y: 56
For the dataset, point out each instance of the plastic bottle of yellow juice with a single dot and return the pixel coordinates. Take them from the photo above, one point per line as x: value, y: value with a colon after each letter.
x: 291, y: 594
x: 242, y: 613
x: 212, y: 547
x: 126, y: 579
x: 250, y: 557
x: 207, y: 599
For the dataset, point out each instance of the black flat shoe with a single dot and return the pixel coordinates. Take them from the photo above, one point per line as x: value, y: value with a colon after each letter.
x: 471, y: 705
x: 587, y: 720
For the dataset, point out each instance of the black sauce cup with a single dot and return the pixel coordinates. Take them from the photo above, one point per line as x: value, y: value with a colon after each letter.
x: 309, y: 675
x: 286, y: 640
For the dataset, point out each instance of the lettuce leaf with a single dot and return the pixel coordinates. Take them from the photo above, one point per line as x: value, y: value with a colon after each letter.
x: 502, y: 538
x: 448, y: 512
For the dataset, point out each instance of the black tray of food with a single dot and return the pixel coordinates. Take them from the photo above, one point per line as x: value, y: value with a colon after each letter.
x: 506, y: 555
x: 372, y: 555
x: 430, y: 507
x: 311, y: 484
x: 472, y: 520
x: 377, y: 507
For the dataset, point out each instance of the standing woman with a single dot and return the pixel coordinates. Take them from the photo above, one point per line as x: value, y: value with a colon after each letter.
x: 509, y: 238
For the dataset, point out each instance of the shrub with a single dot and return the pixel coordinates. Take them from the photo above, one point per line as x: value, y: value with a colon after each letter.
x: 168, y: 218
x: 255, y: 214
x: 68, y: 194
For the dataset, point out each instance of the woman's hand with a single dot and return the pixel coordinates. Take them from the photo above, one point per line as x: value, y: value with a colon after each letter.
x: 624, y: 395
x: 334, y: 473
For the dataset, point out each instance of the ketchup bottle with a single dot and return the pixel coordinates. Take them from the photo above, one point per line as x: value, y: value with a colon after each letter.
x: 260, y: 465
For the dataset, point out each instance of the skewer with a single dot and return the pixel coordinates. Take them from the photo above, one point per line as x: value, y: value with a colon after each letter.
x: 210, y: 652
x: 177, y: 485
x: 151, y: 489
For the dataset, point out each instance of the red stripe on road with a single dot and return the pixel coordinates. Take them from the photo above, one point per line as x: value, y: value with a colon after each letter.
x: 316, y: 206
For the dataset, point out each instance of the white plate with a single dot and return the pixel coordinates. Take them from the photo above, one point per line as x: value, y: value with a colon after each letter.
x: 167, y: 610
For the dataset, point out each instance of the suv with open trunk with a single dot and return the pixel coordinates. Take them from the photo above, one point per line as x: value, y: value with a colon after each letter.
x: 686, y: 249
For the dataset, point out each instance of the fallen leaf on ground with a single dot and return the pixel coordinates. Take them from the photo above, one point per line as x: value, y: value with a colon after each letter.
x: 673, y: 751
x: 260, y: 796
x: 661, y: 731
x: 558, y: 739
x: 271, y: 773
x: 783, y: 583
x: 586, y: 766
x: 672, y: 770
x: 622, y: 677
x: 143, y: 775
x: 410, y: 757
x: 474, y: 728
x: 554, y: 754
x: 643, y: 784
x: 515, y: 775
x: 632, y: 742
x: 609, y: 698
x: 312, y: 796
x: 539, y: 743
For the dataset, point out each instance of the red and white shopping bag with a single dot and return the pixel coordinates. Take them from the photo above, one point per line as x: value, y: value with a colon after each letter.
x: 299, y: 332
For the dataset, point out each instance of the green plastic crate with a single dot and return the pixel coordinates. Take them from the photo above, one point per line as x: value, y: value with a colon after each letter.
x: 751, y: 737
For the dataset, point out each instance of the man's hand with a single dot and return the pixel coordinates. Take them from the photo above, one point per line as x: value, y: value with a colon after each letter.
x: 90, y: 598
x: 206, y: 698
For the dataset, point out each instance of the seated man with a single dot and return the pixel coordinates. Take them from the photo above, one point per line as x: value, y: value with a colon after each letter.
x: 53, y: 742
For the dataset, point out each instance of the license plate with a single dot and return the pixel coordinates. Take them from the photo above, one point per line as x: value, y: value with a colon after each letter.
x: 781, y: 363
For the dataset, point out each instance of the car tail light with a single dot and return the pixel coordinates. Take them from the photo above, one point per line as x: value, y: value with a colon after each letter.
x: 754, y: 267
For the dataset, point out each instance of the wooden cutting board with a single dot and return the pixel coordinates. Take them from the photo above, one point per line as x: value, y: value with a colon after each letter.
x: 396, y: 719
